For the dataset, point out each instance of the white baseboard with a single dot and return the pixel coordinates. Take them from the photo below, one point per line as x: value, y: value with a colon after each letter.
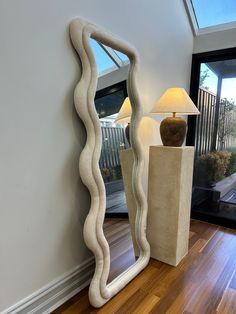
x: 57, y: 292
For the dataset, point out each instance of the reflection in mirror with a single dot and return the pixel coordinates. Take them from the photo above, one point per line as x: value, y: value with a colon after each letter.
x: 99, y: 291
x: 116, y: 160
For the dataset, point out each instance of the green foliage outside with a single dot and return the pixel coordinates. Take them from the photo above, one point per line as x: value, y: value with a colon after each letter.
x: 213, y: 167
x: 226, y: 122
x: 111, y: 174
x: 232, y: 165
x: 203, y: 76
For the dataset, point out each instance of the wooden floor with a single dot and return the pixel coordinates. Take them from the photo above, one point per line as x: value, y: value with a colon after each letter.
x: 204, y: 282
x: 116, y: 202
x: 118, y: 235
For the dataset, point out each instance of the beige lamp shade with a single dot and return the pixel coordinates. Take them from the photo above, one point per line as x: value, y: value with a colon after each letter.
x: 175, y: 100
x: 124, y: 113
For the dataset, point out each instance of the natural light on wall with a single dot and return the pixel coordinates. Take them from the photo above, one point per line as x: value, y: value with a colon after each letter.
x: 209, y: 15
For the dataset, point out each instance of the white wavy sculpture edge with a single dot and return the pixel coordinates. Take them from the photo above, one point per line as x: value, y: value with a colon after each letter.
x: 99, y: 291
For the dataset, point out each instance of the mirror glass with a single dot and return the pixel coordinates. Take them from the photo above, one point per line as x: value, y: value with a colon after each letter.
x: 116, y: 158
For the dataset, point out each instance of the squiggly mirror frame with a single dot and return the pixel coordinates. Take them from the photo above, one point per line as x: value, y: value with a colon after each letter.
x: 99, y: 291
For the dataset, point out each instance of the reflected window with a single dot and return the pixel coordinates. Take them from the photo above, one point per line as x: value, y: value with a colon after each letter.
x: 107, y: 59
x: 104, y: 62
x: 122, y: 57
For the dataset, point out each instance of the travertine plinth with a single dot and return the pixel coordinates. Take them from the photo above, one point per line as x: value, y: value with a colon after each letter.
x: 169, y: 200
x: 127, y: 160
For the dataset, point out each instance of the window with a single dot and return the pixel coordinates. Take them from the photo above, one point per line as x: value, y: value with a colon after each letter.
x: 211, y: 15
x: 214, y: 137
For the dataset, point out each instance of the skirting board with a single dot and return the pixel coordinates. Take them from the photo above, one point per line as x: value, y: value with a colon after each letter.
x: 57, y: 292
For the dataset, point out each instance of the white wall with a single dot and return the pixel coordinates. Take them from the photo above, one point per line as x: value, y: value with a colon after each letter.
x: 43, y: 202
x: 215, y: 41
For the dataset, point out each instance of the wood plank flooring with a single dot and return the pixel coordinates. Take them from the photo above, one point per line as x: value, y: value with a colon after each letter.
x: 118, y: 235
x: 116, y: 202
x: 203, y: 283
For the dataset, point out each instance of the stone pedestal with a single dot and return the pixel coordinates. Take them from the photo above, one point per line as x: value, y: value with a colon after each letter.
x: 126, y: 160
x: 169, y: 200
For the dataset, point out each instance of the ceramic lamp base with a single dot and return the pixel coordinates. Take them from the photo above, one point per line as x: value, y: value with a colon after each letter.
x: 173, y: 131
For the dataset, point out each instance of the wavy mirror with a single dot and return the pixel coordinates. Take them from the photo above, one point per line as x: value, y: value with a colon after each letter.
x: 110, y: 164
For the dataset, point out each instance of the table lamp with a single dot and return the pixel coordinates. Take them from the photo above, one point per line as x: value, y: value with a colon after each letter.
x: 173, y: 129
x: 124, y: 116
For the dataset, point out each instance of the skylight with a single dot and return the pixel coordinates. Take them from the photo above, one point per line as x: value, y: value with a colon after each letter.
x: 214, y: 12
x: 211, y: 15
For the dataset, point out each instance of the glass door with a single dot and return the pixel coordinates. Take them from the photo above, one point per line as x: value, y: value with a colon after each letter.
x: 213, y: 133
